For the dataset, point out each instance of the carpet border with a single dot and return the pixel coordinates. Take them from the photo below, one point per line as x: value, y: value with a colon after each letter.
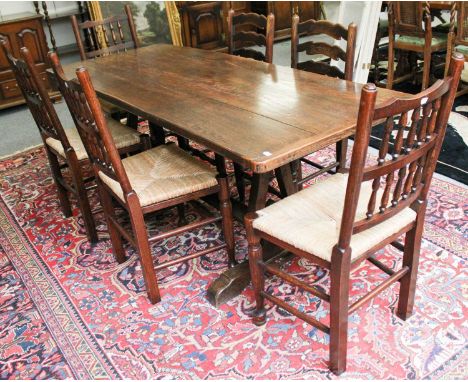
x: 42, y: 303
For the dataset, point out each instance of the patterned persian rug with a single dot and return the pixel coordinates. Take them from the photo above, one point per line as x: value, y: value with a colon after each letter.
x: 70, y: 311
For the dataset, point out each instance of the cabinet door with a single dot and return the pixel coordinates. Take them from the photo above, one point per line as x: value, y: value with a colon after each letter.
x: 4, y: 65
x: 307, y: 10
x: 283, y: 14
x: 31, y: 36
x: 205, y: 25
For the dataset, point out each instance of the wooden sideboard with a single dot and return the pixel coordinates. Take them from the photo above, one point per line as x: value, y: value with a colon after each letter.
x: 22, y: 30
x: 204, y: 23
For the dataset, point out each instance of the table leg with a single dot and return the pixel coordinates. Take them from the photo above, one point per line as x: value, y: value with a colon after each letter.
x: 285, y: 180
x: 157, y: 134
x: 232, y: 282
x: 258, y: 191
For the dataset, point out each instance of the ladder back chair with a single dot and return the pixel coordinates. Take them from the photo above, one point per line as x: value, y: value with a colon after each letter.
x: 63, y: 145
x: 244, y: 31
x: 163, y: 177
x: 240, y: 41
x: 105, y: 36
x: 344, y: 219
x: 411, y: 21
x: 332, y: 52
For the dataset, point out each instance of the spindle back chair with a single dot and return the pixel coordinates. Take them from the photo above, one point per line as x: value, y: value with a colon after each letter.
x: 105, y: 36
x: 334, y: 52
x: 240, y: 41
x: 51, y: 129
x: 365, y: 216
x: 117, y: 182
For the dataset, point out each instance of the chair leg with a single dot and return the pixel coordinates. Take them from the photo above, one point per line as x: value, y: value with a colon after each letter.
x: 339, y: 296
x: 83, y: 201
x: 256, y: 272
x: 143, y: 247
x: 227, y: 220
x: 296, y: 170
x: 341, y: 151
x: 390, y: 66
x: 408, y: 281
x: 426, y: 69
x: 240, y: 183
x: 109, y: 212
x: 181, y: 214
x: 132, y: 120
x: 62, y: 191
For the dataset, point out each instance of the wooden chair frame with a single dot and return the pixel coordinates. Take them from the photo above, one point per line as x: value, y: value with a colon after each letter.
x: 98, y: 32
x: 49, y: 125
x: 105, y: 158
x: 397, y: 24
x: 239, y: 41
x: 338, y: 32
x: 413, y: 160
x: 458, y: 38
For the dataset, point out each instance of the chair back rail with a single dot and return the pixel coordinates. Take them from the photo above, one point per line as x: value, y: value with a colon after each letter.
x: 334, y: 52
x: 89, y: 119
x: 105, y: 36
x: 36, y: 95
x: 403, y: 172
x: 240, y: 41
x: 408, y: 17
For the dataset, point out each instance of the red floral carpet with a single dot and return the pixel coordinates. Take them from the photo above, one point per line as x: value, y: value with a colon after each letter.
x: 70, y: 311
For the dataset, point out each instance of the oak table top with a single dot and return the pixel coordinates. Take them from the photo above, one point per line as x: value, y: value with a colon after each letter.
x: 257, y: 114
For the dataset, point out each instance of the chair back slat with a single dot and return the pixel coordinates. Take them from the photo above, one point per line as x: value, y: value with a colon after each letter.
x: 107, y: 36
x: 240, y: 41
x: 404, y: 168
x: 333, y: 52
x: 315, y: 27
x: 249, y: 38
x: 94, y: 132
x: 36, y: 95
x: 254, y: 19
x: 321, y: 68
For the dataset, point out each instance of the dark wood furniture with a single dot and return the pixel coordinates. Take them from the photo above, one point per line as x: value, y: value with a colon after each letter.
x: 240, y: 41
x: 64, y: 145
x: 202, y: 26
x: 114, y: 34
x: 246, y: 30
x: 458, y: 40
x: 285, y: 10
x: 406, y: 19
x: 60, y: 145
x: 204, y: 23
x: 25, y: 30
x: 275, y: 115
x: 177, y: 178
x: 105, y: 36
x: 369, y: 216
x: 311, y: 47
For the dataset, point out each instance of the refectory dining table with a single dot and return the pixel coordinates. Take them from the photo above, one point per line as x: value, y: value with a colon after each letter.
x: 261, y: 116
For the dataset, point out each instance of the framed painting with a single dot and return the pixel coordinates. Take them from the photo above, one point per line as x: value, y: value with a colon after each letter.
x: 157, y: 22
